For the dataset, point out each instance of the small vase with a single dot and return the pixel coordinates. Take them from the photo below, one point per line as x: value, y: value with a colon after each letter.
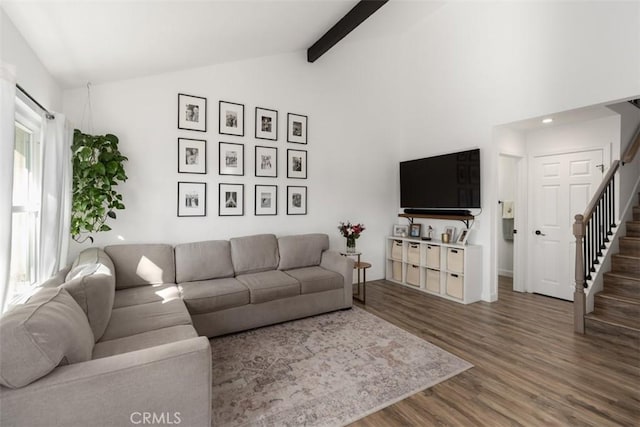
x: 351, y: 245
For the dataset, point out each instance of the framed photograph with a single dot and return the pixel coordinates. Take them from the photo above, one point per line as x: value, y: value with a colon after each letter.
x: 266, y: 200
x: 192, y: 155
x: 462, y: 238
x: 296, y: 200
x: 296, y: 128
x: 266, y: 124
x: 266, y: 160
x: 231, y: 158
x: 231, y: 199
x: 415, y: 230
x: 192, y: 199
x: 231, y: 118
x: 297, y: 164
x: 451, y: 231
x: 400, y: 230
x: 192, y: 112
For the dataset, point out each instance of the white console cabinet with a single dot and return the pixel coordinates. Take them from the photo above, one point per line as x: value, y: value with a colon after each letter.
x: 448, y: 270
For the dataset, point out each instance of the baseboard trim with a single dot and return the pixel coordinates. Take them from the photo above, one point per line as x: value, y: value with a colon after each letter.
x: 507, y: 273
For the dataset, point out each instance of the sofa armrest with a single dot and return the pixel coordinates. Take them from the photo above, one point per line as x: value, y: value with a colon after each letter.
x: 332, y: 260
x: 171, y: 382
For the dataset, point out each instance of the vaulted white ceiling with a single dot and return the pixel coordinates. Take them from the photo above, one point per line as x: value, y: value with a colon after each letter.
x: 106, y: 40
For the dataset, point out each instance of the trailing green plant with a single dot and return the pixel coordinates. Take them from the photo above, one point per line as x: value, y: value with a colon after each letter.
x: 98, y: 166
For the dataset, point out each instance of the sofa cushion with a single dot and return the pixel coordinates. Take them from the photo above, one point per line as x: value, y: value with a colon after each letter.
x: 91, y: 282
x: 203, y: 261
x: 269, y: 285
x: 143, y: 340
x: 252, y: 254
x: 213, y: 295
x: 139, y: 265
x: 303, y: 250
x: 57, y: 279
x: 316, y: 279
x: 145, y: 295
x: 83, y: 264
x: 35, y: 337
x: 136, y: 319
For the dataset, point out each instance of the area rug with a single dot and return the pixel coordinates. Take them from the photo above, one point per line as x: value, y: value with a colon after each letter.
x: 327, y: 370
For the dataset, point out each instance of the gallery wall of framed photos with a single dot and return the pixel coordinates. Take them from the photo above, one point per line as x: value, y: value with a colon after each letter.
x: 242, y: 163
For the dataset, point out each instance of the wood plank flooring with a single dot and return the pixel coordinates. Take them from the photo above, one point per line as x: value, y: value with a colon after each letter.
x: 530, y: 367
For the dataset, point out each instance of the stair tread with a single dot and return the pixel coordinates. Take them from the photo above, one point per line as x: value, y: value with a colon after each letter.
x: 623, y: 275
x: 632, y: 238
x: 613, y: 320
x: 626, y: 256
x: 615, y: 296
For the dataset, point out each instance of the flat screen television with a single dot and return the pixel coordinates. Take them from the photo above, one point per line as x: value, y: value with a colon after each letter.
x: 446, y: 182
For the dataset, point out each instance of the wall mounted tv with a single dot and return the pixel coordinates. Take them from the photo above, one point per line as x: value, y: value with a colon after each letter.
x: 441, y: 184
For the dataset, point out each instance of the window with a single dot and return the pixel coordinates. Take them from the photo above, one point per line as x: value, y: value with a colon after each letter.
x: 27, y: 175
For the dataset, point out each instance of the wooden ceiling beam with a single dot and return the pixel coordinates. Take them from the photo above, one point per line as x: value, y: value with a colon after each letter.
x: 355, y: 17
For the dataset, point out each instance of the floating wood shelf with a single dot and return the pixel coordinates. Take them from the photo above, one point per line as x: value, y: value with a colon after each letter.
x: 464, y: 218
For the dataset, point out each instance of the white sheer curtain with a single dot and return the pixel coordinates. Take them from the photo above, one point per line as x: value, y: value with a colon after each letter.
x: 55, y: 219
x: 7, y: 141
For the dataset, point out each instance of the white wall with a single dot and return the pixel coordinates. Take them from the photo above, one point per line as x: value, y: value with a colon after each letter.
x: 472, y: 66
x: 441, y: 86
x: 601, y: 133
x: 31, y: 75
x: 350, y: 150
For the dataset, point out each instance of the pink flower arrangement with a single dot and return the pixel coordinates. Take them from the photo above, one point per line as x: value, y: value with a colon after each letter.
x: 351, y: 231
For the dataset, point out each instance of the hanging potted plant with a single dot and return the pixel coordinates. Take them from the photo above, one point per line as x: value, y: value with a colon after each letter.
x: 98, y: 166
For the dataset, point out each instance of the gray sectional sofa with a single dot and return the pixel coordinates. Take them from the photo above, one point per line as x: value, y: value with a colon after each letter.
x: 121, y: 334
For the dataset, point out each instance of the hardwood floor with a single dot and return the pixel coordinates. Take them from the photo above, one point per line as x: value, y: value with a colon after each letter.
x: 530, y: 368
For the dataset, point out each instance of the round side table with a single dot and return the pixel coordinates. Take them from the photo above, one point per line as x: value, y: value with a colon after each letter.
x: 361, y: 265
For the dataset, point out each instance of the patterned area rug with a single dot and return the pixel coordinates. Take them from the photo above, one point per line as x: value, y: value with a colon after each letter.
x: 327, y: 370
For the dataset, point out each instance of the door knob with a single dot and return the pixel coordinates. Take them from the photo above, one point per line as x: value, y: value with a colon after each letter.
x: 540, y: 233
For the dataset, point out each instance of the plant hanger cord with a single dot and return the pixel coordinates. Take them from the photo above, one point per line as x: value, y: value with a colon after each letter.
x: 88, y: 110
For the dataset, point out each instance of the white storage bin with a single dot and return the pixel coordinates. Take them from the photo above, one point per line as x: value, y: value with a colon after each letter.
x: 433, y: 256
x: 397, y: 271
x: 413, y: 275
x: 454, y: 286
x: 413, y: 253
x: 396, y: 249
x: 455, y: 260
x: 433, y: 280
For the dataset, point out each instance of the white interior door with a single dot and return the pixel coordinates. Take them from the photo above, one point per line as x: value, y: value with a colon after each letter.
x: 563, y: 184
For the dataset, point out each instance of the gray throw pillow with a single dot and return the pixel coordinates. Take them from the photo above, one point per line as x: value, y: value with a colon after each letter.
x: 48, y: 330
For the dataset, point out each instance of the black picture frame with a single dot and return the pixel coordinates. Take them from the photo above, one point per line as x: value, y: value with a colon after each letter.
x: 296, y: 200
x: 230, y: 118
x: 192, y: 199
x: 230, y: 199
x: 192, y: 112
x: 192, y: 156
x: 266, y: 162
x: 266, y: 200
x: 297, y: 128
x: 266, y: 124
x: 415, y: 230
x: 297, y: 164
x: 230, y: 158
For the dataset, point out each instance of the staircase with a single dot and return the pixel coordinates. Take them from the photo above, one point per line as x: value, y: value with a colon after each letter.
x: 617, y: 308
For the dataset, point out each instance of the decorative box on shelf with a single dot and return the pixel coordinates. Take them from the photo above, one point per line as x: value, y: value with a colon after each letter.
x: 449, y: 270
